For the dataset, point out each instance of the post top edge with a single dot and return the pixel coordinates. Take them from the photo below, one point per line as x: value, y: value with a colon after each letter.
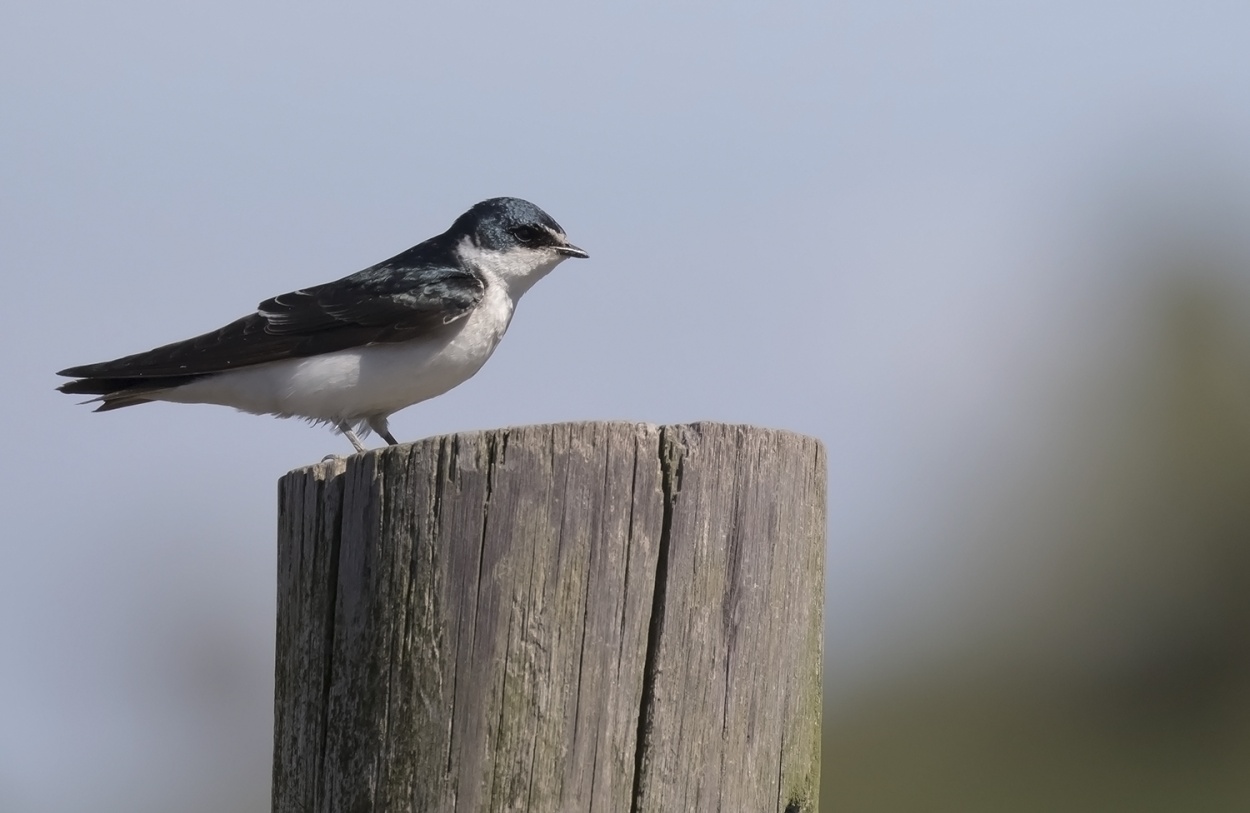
x: 335, y: 465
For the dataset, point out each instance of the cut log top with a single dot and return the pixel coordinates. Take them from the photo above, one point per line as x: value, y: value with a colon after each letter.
x: 591, y: 616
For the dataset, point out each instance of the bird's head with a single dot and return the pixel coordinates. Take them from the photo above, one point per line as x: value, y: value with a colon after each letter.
x: 513, y: 239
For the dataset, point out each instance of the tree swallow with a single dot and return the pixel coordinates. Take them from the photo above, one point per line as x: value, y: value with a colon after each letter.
x: 351, y: 353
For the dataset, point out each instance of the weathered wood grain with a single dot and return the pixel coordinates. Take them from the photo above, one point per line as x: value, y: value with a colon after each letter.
x: 601, y: 617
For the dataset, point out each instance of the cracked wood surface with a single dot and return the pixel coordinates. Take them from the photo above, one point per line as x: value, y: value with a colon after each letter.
x: 602, y: 617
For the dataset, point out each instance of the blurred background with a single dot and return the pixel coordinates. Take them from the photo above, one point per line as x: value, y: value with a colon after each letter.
x: 996, y: 255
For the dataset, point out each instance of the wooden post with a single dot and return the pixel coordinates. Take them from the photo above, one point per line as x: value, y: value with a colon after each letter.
x: 602, y: 617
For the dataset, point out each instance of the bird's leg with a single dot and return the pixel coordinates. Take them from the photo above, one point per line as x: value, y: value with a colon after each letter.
x: 383, y: 431
x: 346, y: 429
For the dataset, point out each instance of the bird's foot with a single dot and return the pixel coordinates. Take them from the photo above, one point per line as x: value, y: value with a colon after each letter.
x: 346, y: 429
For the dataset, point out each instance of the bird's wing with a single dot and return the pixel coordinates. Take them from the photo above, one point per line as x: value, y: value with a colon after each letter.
x: 380, y: 304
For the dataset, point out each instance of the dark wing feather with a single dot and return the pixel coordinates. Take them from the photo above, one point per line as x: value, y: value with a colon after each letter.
x: 386, y: 303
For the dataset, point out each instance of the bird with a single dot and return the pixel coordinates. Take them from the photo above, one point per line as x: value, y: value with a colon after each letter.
x: 352, y: 352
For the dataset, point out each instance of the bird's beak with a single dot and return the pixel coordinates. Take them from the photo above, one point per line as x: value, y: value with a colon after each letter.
x: 570, y: 250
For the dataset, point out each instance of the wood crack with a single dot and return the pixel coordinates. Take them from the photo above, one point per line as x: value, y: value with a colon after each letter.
x: 671, y: 456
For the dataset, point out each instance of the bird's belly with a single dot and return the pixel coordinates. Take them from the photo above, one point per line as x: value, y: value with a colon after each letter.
x: 366, y: 381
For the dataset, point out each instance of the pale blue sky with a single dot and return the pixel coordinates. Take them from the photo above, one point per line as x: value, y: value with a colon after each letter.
x: 866, y: 221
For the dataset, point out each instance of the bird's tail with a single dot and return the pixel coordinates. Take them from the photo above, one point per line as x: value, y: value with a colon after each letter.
x: 115, y: 393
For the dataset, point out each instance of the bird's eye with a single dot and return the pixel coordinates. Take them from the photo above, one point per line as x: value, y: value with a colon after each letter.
x: 526, y: 234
